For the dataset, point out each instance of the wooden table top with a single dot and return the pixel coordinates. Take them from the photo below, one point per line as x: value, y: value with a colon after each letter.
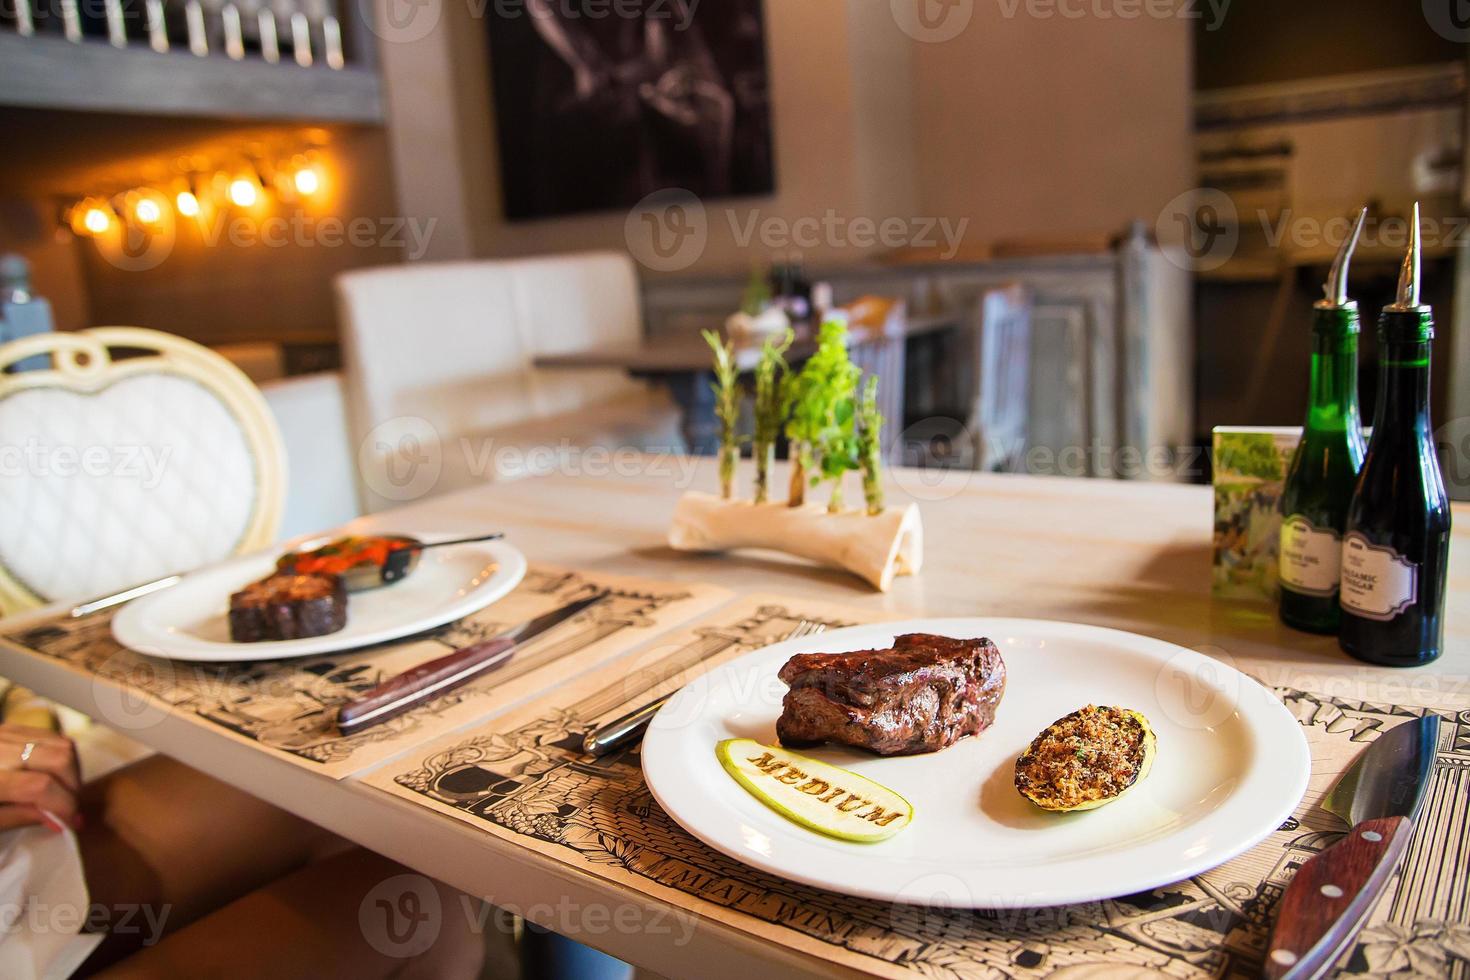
x: 686, y: 351
x: 1126, y: 555
x: 1133, y: 556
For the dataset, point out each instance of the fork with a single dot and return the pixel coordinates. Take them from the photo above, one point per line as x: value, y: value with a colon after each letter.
x: 629, y: 728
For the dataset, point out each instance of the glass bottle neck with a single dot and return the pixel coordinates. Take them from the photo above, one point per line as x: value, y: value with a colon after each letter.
x: 1403, y: 387
x: 1333, y: 393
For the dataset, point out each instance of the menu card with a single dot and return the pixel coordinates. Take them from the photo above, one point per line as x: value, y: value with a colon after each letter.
x: 1250, y: 467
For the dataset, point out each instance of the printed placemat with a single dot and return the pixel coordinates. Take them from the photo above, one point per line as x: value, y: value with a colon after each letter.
x: 524, y: 778
x: 289, y: 706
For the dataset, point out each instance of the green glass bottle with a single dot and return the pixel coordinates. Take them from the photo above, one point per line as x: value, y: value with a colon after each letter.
x: 1396, y: 549
x: 1324, y: 469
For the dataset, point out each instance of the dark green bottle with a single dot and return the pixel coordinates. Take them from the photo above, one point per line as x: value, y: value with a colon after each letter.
x: 1324, y: 469
x: 1396, y: 549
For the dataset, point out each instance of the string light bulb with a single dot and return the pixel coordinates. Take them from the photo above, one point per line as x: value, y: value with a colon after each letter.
x: 244, y: 192
x: 308, y: 181
x: 187, y: 204
x: 147, y: 211
x: 91, y: 217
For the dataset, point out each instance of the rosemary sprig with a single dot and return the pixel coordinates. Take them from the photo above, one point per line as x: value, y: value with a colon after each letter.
x: 870, y: 453
x: 770, y: 374
x: 726, y: 388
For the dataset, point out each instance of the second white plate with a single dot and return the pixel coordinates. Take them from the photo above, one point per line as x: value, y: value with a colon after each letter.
x: 1232, y: 765
x: 189, y: 621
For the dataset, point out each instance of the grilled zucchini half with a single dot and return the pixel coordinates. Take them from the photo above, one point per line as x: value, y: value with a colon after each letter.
x: 1087, y: 759
x: 820, y: 797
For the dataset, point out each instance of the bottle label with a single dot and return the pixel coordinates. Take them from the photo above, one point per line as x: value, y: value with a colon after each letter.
x: 1377, y: 582
x: 1311, y: 557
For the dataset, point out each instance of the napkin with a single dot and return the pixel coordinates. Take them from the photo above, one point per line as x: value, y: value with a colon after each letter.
x: 43, y: 905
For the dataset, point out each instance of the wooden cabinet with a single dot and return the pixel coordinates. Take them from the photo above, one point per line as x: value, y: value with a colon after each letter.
x: 1111, y: 364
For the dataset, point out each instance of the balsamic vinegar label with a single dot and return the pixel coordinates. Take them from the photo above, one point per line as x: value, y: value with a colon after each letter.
x: 1378, y: 583
x: 1310, y: 557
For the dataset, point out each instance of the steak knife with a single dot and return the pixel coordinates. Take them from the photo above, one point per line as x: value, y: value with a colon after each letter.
x: 429, y: 680
x: 1331, y: 895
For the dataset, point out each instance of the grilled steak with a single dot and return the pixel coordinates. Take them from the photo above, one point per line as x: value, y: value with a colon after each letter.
x: 288, y: 607
x: 923, y: 695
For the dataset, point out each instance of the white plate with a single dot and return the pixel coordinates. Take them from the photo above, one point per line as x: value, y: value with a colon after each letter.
x: 189, y: 621
x: 1232, y: 765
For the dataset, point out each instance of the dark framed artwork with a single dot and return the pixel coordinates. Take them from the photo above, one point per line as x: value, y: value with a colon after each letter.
x: 599, y: 103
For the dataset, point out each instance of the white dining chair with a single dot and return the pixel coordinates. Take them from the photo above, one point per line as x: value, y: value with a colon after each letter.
x: 311, y: 411
x: 136, y: 455
x: 443, y: 387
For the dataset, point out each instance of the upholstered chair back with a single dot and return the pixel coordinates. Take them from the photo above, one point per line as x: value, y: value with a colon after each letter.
x: 135, y: 455
x: 439, y: 360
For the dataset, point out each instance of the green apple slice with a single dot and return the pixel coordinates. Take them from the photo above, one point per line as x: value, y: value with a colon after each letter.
x: 820, y: 797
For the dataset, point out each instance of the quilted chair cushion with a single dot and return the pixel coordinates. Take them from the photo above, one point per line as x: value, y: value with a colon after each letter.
x: 149, y: 476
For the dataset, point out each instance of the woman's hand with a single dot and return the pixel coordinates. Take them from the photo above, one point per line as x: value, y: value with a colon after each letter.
x: 38, y: 775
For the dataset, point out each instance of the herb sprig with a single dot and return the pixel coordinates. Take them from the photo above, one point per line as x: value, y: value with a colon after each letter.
x: 770, y: 377
x: 831, y: 429
x: 726, y: 388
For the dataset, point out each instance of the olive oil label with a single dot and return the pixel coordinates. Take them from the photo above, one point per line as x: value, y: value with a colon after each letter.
x: 1310, y: 557
x: 1377, y: 582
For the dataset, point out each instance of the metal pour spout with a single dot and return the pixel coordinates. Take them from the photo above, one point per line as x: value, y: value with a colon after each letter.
x: 1408, y: 296
x: 1336, y: 289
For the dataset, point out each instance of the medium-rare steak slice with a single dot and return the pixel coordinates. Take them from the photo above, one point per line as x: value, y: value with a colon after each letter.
x: 288, y: 607
x: 923, y: 695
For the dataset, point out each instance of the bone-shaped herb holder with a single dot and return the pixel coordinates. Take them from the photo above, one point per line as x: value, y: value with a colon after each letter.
x: 874, y: 547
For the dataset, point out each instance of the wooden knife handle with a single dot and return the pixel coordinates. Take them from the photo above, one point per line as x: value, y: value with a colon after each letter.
x: 422, y: 683
x: 1330, y: 897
